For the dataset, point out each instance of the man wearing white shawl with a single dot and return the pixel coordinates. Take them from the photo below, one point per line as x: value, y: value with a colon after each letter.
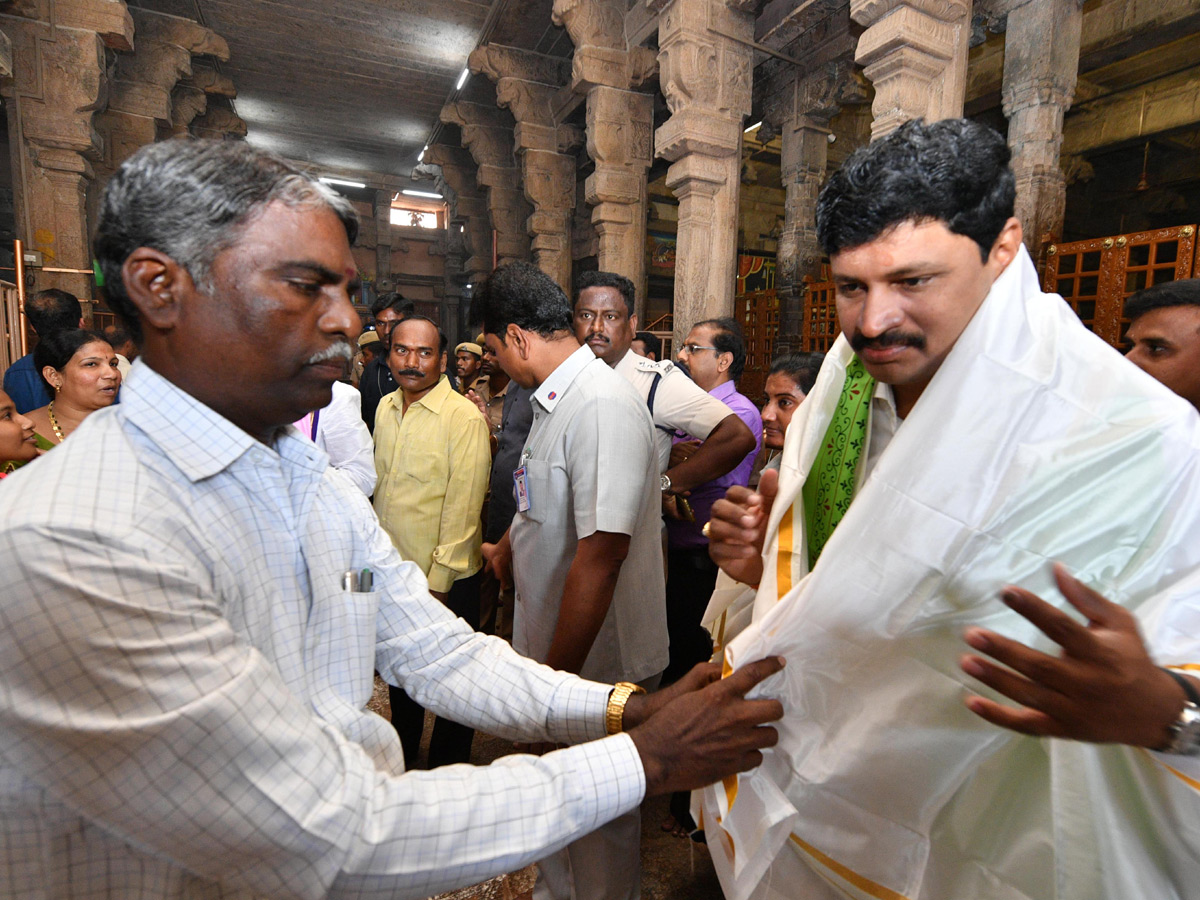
x: 979, y: 434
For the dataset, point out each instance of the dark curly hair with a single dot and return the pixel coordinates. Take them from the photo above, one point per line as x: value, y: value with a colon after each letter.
x: 954, y: 171
x: 521, y: 294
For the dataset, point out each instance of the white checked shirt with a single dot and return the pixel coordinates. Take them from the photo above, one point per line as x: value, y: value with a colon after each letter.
x: 183, y: 680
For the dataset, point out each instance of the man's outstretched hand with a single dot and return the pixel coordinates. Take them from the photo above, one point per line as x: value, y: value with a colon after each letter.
x: 1103, y: 686
x: 702, y: 728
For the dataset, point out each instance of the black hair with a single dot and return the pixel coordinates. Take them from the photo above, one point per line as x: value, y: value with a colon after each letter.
x: 53, y: 310
x: 190, y: 199
x: 1170, y: 293
x: 954, y: 171
x: 56, y: 349
x: 519, y: 293
x: 442, y: 340
x: 727, y: 338
x: 609, y: 280
x: 392, y: 300
x: 117, y: 335
x: 802, y: 368
x: 652, y: 342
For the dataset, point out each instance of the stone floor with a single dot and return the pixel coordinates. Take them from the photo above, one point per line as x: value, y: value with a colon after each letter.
x: 672, y: 868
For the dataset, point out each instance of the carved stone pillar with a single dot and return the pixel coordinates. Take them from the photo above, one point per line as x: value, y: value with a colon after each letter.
x: 140, y: 102
x: 620, y: 123
x: 1041, y: 60
x: 189, y: 99
x: 487, y: 132
x: 382, y: 209
x: 619, y: 128
x: 457, y: 177
x: 803, y: 163
x: 799, y: 106
x: 526, y: 85
x: 59, y: 81
x: 219, y: 123
x: 915, y: 54
x: 705, y: 78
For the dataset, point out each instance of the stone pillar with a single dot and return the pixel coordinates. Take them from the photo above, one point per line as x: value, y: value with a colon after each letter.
x: 457, y: 178
x: 60, y: 80
x: 620, y: 123
x: 798, y: 257
x: 915, y: 54
x: 487, y: 132
x: 382, y: 209
x: 799, y: 106
x: 526, y: 85
x: 219, y: 123
x: 189, y: 99
x: 1041, y: 61
x: 140, y: 101
x: 705, y: 78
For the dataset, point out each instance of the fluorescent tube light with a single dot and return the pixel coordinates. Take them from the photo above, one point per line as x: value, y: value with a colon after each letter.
x: 462, y: 79
x: 342, y: 181
x: 752, y: 127
x: 428, y: 194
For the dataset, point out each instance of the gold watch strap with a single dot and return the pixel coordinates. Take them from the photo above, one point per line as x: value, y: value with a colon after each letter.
x: 614, y: 715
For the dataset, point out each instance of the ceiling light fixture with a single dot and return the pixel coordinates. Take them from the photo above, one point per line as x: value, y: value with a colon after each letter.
x: 429, y: 194
x: 421, y: 155
x: 325, y: 179
x: 752, y: 127
x: 462, y: 79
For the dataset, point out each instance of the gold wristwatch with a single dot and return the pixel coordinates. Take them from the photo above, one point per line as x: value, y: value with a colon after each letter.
x: 614, y: 715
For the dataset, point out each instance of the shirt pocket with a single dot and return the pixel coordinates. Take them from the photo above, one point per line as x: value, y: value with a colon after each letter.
x: 539, y: 479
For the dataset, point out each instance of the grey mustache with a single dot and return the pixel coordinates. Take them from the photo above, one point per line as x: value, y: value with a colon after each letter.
x: 340, y: 350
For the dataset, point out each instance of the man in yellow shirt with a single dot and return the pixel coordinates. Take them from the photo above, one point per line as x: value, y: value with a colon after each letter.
x: 433, y: 461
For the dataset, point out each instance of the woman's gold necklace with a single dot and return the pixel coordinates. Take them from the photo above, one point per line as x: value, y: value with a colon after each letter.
x: 54, y: 423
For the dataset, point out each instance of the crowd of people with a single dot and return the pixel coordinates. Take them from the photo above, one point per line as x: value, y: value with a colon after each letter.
x: 546, y: 531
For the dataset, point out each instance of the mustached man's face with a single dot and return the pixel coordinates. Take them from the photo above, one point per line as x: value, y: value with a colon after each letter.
x: 415, y: 358
x: 602, y: 321
x: 904, y: 298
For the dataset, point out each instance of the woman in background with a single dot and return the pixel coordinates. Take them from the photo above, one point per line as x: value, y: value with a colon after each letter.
x: 81, y: 369
x: 17, y: 440
x: 791, y: 377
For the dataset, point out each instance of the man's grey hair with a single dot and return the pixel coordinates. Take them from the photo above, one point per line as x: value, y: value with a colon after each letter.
x: 190, y: 199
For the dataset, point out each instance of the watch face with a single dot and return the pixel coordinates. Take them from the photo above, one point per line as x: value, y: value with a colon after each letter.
x: 665, y: 483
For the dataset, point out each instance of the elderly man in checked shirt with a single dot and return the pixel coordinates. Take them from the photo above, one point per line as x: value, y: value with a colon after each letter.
x: 187, y: 635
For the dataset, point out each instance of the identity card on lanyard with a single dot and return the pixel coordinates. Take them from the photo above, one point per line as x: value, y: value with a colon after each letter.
x: 521, y: 481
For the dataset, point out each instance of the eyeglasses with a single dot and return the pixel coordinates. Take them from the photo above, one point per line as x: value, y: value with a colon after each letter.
x: 689, y: 349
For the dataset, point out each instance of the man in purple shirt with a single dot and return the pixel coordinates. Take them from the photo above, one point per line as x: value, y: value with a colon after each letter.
x: 715, y: 353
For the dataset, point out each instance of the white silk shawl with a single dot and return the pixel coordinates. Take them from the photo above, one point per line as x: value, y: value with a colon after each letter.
x: 1034, y: 442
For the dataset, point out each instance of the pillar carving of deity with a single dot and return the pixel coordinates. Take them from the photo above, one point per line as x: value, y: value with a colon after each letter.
x: 915, y: 54
x: 60, y: 80
x: 705, y: 77
x: 487, y: 132
x: 1041, y: 62
x: 620, y: 123
x: 526, y: 85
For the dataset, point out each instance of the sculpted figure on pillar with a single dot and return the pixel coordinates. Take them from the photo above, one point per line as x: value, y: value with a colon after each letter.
x: 189, y: 99
x: 915, y: 54
x: 706, y: 78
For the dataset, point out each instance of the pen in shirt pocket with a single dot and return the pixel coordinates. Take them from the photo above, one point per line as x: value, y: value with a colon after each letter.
x: 358, y: 581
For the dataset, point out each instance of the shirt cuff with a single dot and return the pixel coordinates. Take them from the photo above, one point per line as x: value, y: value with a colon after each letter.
x: 577, y: 711
x: 442, y: 579
x: 612, y: 771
